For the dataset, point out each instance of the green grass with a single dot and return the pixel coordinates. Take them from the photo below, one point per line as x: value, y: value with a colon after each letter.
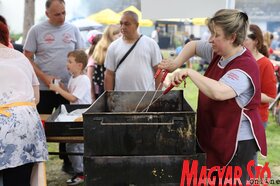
x: 56, y: 177
x: 191, y: 93
x: 273, y: 145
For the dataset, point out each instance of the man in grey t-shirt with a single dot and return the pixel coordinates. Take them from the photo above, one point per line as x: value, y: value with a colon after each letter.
x: 47, y: 45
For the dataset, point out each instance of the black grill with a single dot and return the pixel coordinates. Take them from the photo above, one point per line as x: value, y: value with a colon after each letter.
x: 123, y: 147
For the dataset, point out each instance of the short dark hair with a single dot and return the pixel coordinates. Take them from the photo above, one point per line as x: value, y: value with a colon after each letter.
x: 49, y: 2
x: 131, y: 14
x: 3, y: 20
x: 80, y: 57
x: 4, y: 34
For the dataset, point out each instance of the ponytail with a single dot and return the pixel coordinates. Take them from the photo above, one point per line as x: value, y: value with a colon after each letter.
x: 264, y: 50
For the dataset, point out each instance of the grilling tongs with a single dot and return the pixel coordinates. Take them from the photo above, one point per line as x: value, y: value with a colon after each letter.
x: 153, y: 100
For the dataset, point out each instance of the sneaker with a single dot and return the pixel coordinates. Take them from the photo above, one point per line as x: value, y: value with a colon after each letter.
x: 75, y: 180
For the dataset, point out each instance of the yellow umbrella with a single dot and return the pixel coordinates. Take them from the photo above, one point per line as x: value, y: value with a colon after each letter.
x: 199, y: 21
x: 106, y: 16
x: 142, y: 22
x: 133, y: 9
x: 146, y: 22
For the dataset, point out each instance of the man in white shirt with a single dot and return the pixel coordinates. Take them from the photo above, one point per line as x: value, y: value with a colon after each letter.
x: 137, y: 71
x: 154, y: 34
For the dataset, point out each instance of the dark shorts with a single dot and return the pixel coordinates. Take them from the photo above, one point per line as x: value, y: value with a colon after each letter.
x: 246, y: 150
x: 49, y: 101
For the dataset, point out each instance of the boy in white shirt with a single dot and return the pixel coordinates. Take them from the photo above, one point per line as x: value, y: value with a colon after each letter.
x: 79, y: 92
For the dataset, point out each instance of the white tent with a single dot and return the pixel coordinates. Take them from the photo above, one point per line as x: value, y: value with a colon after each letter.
x: 85, y: 24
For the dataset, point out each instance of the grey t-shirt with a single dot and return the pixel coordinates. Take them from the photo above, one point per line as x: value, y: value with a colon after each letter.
x: 242, y: 85
x: 51, y: 44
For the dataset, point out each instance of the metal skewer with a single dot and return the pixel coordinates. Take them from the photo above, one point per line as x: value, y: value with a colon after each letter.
x: 155, y: 77
x: 164, y: 92
x: 153, y: 101
x: 161, y: 82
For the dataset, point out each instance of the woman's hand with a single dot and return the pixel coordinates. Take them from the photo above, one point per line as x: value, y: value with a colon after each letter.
x: 178, y: 77
x: 167, y: 64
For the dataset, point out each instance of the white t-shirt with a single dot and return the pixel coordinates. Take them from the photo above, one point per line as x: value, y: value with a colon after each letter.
x: 154, y: 35
x: 136, y: 72
x: 80, y: 87
x: 17, y: 77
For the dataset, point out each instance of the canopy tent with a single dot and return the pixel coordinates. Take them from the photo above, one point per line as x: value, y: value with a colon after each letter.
x: 85, y: 24
x: 199, y: 21
x: 142, y: 22
x: 106, y: 16
x: 146, y: 22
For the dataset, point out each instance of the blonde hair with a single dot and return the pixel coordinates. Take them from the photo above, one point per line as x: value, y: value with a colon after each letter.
x: 267, y: 39
x: 107, y: 38
x: 232, y: 22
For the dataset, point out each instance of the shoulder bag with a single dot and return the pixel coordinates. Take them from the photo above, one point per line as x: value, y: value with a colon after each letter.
x: 127, y: 53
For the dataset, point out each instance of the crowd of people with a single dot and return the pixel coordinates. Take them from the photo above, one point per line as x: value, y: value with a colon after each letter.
x: 234, y: 92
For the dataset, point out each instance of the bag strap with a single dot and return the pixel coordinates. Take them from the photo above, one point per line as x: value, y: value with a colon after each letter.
x: 127, y: 53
